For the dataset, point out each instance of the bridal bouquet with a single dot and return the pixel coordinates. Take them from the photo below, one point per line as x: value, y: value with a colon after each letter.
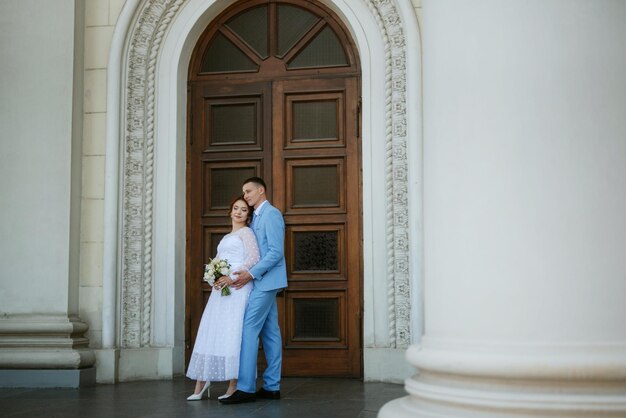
x: 216, y: 269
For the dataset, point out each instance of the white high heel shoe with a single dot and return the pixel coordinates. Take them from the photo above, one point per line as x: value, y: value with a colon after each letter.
x: 227, y: 395
x: 198, y: 396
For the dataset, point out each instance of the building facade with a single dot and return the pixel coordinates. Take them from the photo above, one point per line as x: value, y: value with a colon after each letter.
x: 477, y: 165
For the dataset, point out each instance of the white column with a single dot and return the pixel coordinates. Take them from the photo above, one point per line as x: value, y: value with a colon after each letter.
x: 525, y: 211
x: 40, y: 180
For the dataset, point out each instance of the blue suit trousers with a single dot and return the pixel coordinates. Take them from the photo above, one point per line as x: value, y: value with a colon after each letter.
x: 260, y: 320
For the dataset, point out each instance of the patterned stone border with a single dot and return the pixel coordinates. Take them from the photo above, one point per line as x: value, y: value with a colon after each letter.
x: 152, y: 22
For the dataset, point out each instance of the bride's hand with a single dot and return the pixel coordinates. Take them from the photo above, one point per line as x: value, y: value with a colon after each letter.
x: 222, y: 282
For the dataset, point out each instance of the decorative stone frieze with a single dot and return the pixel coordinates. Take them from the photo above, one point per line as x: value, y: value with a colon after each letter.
x: 398, y: 294
x: 153, y: 20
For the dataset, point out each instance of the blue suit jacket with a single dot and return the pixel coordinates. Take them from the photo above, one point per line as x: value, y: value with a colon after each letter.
x: 270, y: 272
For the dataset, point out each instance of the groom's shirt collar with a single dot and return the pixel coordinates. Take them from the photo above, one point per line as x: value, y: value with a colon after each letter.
x: 258, y: 210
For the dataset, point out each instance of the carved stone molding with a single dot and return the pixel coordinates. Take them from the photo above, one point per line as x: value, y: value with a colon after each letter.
x: 151, y: 23
x: 396, y: 181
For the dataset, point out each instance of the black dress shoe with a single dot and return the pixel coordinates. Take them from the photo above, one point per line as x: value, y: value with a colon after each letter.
x: 239, y: 397
x: 268, y: 394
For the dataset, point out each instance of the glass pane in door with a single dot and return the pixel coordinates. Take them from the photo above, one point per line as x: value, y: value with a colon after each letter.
x: 251, y: 27
x: 325, y: 50
x: 315, y: 251
x: 314, y: 120
x: 226, y: 184
x: 233, y: 124
x: 316, y: 319
x: 223, y: 56
x: 293, y: 24
x: 315, y: 186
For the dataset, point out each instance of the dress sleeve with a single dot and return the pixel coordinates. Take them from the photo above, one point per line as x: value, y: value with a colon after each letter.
x: 251, y: 247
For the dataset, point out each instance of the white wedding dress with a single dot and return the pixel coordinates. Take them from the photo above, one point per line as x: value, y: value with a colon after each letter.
x: 215, y: 355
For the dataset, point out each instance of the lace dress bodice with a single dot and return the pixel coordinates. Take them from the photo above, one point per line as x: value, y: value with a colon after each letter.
x: 240, y: 249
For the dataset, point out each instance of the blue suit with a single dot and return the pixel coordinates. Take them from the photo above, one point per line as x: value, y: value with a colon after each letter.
x: 261, y: 317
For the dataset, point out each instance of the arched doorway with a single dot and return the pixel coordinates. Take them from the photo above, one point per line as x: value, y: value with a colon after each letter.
x: 274, y: 91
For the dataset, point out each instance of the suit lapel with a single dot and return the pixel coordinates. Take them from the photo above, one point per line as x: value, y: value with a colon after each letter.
x: 257, y: 222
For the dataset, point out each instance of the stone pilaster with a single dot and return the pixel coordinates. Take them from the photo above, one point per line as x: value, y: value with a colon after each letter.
x: 42, y: 340
x: 524, y: 203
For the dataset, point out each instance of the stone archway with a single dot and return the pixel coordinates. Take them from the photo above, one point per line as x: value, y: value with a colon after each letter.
x: 136, y: 314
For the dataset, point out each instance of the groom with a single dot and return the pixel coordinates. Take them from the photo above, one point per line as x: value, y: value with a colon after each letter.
x: 261, y: 317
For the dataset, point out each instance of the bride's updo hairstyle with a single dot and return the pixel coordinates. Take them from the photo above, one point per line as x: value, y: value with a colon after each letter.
x: 250, y: 208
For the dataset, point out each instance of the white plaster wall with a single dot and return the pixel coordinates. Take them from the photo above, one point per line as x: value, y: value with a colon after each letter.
x: 76, y: 156
x: 525, y: 168
x: 417, y: 5
x: 36, y: 116
x: 100, y: 19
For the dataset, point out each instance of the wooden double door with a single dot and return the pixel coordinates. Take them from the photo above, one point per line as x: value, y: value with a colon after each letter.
x: 300, y: 133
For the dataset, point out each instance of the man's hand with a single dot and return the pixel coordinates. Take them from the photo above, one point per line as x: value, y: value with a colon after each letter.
x: 242, y: 278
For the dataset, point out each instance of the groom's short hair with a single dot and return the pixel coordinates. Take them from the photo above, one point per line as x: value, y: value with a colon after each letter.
x: 256, y: 180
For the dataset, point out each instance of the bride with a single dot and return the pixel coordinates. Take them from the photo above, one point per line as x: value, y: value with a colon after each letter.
x: 215, y: 354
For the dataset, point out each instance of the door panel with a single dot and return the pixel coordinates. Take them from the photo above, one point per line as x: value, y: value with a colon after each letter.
x: 232, y: 123
x: 315, y: 185
x: 314, y: 320
x: 315, y: 120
